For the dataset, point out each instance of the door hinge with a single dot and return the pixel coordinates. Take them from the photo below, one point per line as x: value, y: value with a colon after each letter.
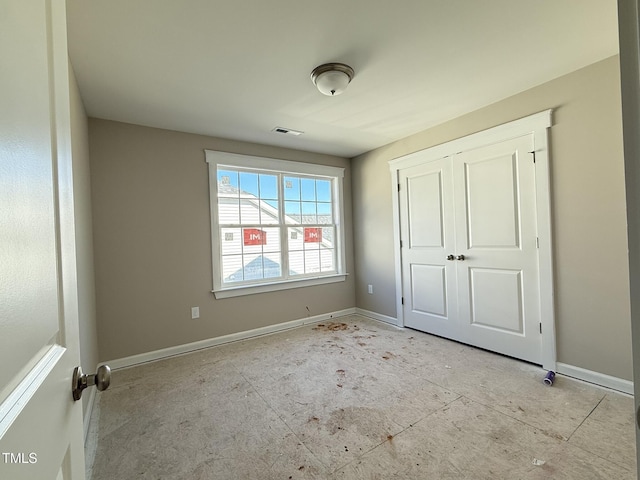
x: 402, y: 300
x: 534, y: 156
x: 537, y: 242
x: 540, y: 328
x: 398, y: 187
x: 400, y: 243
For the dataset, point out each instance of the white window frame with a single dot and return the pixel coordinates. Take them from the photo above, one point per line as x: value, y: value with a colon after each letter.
x: 217, y: 159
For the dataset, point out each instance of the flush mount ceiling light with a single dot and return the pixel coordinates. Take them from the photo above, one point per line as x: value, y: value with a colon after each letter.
x: 287, y: 131
x: 332, y: 78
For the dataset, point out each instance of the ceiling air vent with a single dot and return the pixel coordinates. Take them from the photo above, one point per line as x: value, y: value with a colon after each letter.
x: 287, y: 131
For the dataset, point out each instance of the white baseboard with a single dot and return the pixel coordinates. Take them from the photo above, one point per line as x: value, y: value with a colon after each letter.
x: 87, y: 414
x: 604, y: 380
x: 211, y: 342
x: 377, y: 316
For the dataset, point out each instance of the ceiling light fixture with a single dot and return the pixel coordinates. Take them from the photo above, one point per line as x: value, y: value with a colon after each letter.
x: 287, y: 131
x: 332, y: 78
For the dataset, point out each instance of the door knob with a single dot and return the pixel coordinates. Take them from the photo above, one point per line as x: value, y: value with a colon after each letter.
x: 450, y: 257
x: 460, y: 257
x: 101, y: 379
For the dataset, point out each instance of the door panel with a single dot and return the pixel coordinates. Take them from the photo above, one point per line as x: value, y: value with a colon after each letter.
x: 40, y: 424
x: 429, y: 289
x: 496, y: 300
x: 425, y: 210
x: 491, y: 188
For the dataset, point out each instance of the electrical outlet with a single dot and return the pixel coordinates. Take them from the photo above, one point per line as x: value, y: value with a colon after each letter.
x: 195, y: 312
x: 370, y: 289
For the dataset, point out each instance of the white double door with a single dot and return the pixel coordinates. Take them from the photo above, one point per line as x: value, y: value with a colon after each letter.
x: 469, y: 248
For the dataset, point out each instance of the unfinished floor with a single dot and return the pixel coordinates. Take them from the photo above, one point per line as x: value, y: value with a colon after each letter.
x: 356, y: 399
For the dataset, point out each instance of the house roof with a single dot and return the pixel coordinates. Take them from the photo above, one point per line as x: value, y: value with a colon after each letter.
x: 254, y: 270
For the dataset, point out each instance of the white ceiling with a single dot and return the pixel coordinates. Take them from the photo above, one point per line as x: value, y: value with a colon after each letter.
x: 237, y: 69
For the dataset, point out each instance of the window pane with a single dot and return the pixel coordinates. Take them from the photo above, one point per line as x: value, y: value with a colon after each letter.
x: 312, y: 261
x: 269, y: 212
x: 312, y: 238
x: 253, y: 269
x: 253, y: 240
x: 272, y: 267
x: 296, y: 263
x: 328, y: 234
x: 271, y: 240
x: 249, y: 212
x: 323, y: 190
x: 291, y: 188
x: 231, y: 241
x: 268, y: 187
x: 308, y: 189
x: 249, y: 183
x: 232, y: 268
x: 228, y: 211
x: 327, y: 260
x: 292, y: 212
x: 309, y: 213
x: 227, y: 183
x: 296, y: 239
x: 325, y: 215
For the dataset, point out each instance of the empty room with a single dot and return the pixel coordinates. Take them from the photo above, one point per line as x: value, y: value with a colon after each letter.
x: 343, y: 240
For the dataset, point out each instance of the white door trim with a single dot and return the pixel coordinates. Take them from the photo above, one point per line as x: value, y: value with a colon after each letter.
x: 538, y: 125
x: 629, y: 28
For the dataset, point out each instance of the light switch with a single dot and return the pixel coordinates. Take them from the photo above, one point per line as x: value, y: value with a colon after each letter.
x: 195, y: 312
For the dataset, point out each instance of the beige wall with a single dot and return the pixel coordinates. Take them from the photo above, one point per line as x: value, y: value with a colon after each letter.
x: 588, y: 207
x: 84, y: 232
x: 152, y: 245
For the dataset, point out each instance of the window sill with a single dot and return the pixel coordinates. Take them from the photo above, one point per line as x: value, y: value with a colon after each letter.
x: 273, y: 287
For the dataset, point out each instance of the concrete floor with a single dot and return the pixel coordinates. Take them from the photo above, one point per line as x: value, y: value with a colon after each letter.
x: 355, y: 399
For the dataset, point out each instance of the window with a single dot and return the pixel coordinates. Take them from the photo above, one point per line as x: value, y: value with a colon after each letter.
x: 275, y: 224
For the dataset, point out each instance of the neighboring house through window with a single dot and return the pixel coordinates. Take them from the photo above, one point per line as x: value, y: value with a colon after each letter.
x: 275, y: 224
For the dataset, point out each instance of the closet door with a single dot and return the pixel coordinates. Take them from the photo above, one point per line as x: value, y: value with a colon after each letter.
x: 469, y: 248
x: 427, y: 233
x: 496, y: 247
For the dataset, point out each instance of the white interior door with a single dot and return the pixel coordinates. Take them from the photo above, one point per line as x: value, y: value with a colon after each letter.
x: 427, y: 232
x: 469, y: 248
x: 498, y: 296
x: 40, y: 424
